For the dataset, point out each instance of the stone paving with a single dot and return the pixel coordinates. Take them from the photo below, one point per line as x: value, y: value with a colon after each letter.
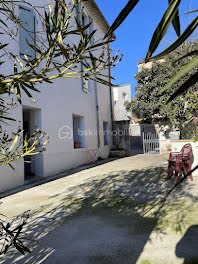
x: 109, y: 214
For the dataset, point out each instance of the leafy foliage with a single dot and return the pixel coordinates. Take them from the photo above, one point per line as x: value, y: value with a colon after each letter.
x: 16, y: 146
x: 171, y: 15
x: 182, y: 110
x: 12, y: 234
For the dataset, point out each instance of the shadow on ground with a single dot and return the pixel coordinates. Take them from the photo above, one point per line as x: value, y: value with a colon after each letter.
x: 106, y: 220
x: 36, y: 181
x: 187, y: 247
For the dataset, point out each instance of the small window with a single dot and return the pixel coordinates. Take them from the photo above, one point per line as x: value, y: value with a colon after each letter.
x: 124, y: 96
x: 26, y: 32
x: 106, y: 133
x: 78, y: 131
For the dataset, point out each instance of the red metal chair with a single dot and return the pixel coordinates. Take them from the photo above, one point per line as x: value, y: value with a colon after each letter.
x: 180, y: 160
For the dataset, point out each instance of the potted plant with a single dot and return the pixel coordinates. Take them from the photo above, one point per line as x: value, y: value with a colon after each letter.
x: 118, y: 152
x: 77, y: 144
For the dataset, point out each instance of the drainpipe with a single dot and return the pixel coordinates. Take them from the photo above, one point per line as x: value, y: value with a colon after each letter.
x: 111, y: 102
x: 97, y: 115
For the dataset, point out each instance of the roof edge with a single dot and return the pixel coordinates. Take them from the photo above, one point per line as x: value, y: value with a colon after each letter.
x: 98, y: 13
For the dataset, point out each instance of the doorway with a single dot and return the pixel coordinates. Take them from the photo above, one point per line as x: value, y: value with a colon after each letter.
x: 33, y: 165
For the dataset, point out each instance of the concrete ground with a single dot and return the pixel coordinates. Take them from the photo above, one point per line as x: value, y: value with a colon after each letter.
x: 109, y: 214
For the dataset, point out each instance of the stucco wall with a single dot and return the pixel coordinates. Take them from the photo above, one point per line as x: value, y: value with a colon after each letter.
x: 120, y: 113
x: 56, y: 104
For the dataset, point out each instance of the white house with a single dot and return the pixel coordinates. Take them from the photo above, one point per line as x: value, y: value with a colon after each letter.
x: 121, y: 94
x: 72, y: 116
x: 121, y: 116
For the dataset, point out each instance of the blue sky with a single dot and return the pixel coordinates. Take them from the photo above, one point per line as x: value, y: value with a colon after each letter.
x: 134, y: 35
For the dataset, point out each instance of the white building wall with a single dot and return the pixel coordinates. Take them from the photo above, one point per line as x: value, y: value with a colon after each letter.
x: 57, y: 103
x: 120, y: 113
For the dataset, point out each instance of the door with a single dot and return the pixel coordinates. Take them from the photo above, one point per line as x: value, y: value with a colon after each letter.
x: 33, y: 165
x: 26, y: 133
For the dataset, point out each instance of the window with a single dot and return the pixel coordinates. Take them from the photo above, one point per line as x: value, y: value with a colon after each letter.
x: 106, y: 133
x: 78, y: 131
x: 26, y: 32
x: 124, y: 96
x: 84, y: 20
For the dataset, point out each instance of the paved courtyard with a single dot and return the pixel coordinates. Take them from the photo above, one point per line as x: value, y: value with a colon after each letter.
x: 109, y: 214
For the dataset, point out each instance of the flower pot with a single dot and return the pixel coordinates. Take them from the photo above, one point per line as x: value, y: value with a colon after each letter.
x: 77, y: 144
x: 117, y: 153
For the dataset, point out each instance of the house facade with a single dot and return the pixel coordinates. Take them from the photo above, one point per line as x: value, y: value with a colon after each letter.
x: 121, y: 94
x: 77, y: 120
x: 121, y: 116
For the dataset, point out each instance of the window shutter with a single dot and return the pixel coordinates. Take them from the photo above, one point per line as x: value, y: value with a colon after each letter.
x: 91, y: 29
x: 26, y: 31
x: 86, y: 23
x: 79, y: 13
